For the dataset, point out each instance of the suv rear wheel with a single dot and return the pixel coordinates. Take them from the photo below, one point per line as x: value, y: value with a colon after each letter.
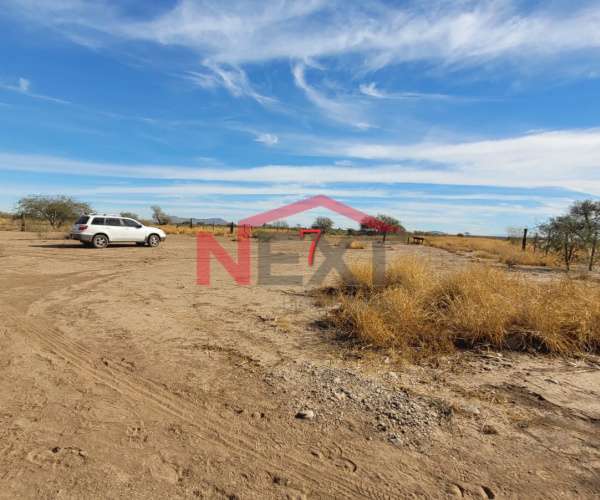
x: 153, y: 240
x: 100, y: 241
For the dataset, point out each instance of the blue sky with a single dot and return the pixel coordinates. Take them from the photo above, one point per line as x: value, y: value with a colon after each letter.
x: 450, y: 115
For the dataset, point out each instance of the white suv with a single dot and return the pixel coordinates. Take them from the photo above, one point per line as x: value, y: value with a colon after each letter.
x: 99, y: 230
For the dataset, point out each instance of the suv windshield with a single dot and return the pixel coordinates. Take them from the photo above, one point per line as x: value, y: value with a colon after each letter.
x: 82, y: 220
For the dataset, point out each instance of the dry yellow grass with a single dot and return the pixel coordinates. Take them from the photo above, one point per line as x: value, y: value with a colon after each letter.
x: 424, y: 313
x: 220, y: 230
x: 7, y: 224
x: 492, y: 248
x: 173, y: 229
x: 357, y: 245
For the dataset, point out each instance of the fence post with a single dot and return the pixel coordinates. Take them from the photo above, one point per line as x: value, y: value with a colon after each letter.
x: 591, y: 266
x: 22, y: 221
x: 231, y: 229
x: 535, y: 242
x: 213, y: 227
x: 191, y: 224
x: 524, y: 244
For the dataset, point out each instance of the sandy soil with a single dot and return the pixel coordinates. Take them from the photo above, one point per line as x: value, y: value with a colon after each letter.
x: 123, y: 379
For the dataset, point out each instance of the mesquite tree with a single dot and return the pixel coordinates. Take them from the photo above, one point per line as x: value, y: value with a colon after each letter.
x: 55, y: 209
x: 573, y: 233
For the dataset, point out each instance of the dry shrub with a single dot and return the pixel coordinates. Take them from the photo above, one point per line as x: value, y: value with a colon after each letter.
x: 193, y: 231
x: 356, y: 245
x: 264, y: 236
x: 7, y: 224
x: 425, y: 313
x: 491, y: 248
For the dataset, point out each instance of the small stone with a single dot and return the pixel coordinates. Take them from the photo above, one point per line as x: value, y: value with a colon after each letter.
x: 337, y: 380
x: 369, y: 438
x: 553, y: 381
x: 305, y: 415
x: 387, y: 361
x: 396, y: 440
x: 474, y: 410
x: 392, y: 375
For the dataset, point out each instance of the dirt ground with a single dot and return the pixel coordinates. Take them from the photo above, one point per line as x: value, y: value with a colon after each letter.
x: 123, y: 379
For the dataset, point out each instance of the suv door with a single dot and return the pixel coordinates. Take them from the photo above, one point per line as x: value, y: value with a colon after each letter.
x: 133, y: 231
x: 115, y: 230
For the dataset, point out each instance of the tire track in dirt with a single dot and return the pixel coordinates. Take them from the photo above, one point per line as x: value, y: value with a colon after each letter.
x: 150, y: 394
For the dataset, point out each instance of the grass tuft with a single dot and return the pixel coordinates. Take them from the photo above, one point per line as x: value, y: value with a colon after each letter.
x: 425, y: 313
x: 357, y: 245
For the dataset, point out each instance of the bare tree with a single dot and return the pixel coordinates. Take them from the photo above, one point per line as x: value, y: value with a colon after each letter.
x: 160, y: 216
x: 280, y: 224
x: 514, y: 234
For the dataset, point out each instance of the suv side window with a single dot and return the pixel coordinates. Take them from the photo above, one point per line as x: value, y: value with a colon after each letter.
x: 130, y: 223
x: 98, y: 221
x: 112, y: 222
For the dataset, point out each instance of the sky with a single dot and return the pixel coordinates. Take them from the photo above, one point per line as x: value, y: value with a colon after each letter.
x: 450, y: 115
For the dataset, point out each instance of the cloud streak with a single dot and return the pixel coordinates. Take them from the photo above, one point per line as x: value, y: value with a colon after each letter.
x: 23, y: 86
x: 338, y: 109
x: 447, y: 34
x: 234, y: 79
x: 567, y: 159
x: 371, y: 90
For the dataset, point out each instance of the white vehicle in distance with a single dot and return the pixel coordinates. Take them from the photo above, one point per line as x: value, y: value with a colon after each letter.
x: 99, y: 230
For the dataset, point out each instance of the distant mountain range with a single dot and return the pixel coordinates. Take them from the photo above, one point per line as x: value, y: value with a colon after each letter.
x: 217, y: 221
x: 437, y: 233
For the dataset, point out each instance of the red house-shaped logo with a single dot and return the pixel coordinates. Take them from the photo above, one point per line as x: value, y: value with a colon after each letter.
x: 240, y: 271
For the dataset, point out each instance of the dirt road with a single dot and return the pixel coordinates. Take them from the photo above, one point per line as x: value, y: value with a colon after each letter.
x: 123, y: 379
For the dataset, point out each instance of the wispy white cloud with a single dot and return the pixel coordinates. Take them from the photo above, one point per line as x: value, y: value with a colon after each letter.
x: 268, y: 139
x: 338, y: 109
x: 447, y: 34
x: 371, y: 90
x: 233, y: 79
x: 567, y: 159
x: 220, y: 40
x: 23, y: 86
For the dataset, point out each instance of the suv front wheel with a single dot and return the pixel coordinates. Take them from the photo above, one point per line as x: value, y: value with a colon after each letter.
x: 100, y: 241
x: 153, y: 240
